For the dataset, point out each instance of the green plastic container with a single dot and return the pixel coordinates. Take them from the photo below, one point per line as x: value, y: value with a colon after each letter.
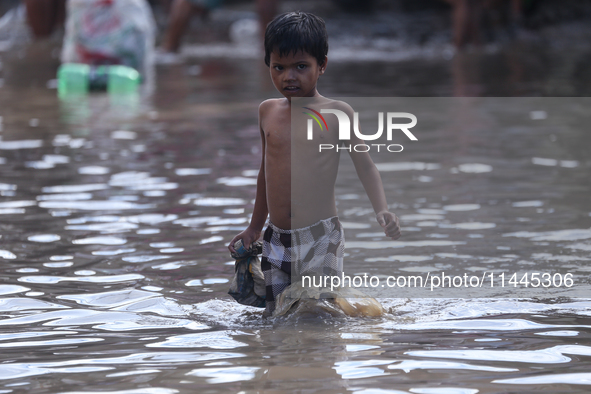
x: 122, y: 79
x: 73, y: 79
x: 76, y: 79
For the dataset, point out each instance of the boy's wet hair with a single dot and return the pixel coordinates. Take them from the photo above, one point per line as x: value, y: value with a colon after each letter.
x: 296, y: 31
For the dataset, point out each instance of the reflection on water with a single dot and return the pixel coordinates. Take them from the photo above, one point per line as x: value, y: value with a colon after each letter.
x: 115, y: 218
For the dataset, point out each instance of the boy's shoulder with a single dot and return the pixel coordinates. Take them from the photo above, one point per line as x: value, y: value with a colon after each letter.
x: 272, y: 104
x: 324, y: 103
x: 328, y: 103
x: 339, y: 104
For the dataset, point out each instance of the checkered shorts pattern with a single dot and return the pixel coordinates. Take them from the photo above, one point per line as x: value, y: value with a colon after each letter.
x: 314, y: 250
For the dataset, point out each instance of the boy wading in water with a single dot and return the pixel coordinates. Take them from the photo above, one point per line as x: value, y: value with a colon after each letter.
x: 295, y: 185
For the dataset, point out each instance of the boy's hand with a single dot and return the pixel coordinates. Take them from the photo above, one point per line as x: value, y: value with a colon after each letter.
x: 248, y: 236
x: 389, y: 223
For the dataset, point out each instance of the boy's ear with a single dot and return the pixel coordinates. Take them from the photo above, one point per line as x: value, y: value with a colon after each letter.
x: 323, y: 65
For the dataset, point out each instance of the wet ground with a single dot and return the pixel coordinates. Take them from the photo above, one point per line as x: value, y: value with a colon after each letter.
x: 116, y: 211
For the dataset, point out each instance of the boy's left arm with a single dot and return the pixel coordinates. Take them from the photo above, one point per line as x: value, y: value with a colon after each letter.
x: 372, y: 183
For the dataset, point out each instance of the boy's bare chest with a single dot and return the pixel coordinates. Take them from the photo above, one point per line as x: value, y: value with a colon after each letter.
x: 277, y: 131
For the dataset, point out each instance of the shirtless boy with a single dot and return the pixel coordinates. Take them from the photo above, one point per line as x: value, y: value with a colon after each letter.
x: 295, y: 185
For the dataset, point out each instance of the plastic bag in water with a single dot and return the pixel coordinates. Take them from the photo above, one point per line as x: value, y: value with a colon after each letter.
x: 297, y: 299
x: 109, y: 32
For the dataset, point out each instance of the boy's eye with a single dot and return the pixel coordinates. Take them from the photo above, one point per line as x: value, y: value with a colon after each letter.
x: 278, y: 68
x: 301, y: 66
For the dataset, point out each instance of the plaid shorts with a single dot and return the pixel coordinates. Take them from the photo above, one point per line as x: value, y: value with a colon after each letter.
x: 314, y: 250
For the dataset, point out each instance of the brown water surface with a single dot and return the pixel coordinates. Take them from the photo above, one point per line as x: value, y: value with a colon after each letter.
x: 116, y: 211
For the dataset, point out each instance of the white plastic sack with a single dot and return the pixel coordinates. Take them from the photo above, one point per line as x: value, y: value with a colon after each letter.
x: 109, y: 32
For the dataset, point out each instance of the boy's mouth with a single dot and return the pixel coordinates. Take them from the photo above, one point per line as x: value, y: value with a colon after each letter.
x: 291, y: 88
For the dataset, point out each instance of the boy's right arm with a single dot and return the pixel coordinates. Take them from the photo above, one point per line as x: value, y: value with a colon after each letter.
x: 259, y: 215
x: 260, y: 211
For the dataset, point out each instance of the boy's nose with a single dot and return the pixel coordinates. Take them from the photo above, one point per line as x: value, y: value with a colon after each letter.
x: 290, y: 75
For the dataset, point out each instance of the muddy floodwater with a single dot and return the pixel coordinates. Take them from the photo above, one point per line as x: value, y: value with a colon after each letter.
x: 115, y: 213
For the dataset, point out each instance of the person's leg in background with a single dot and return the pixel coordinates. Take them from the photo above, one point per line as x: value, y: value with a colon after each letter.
x: 181, y: 12
x: 267, y: 9
x: 466, y: 18
x: 44, y: 16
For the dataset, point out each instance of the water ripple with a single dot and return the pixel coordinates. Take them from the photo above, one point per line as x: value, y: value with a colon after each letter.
x: 212, y: 340
x: 411, y: 365
x: 64, y: 197
x: 52, y: 342
x: 109, y: 299
x: 104, y: 320
x: 559, y: 378
x: 485, y: 325
x: 44, y: 238
x: 105, y: 240
x: 115, y: 227
x: 91, y: 279
x: 145, y: 390
x: 237, y: 181
x: 552, y: 355
x: 75, y: 188
x: 21, y: 370
x: 165, y: 359
x: 407, y: 166
x: 20, y: 144
x: 555, y: 236
x: 12, y: 289
x: 7, y: 255
x: 91, y: 205
x: 17, y: 204
x: 399, y: 244
x: 225, y: 374
x: 462, y: 207
x: 192, y: 171
x: 23, y: 304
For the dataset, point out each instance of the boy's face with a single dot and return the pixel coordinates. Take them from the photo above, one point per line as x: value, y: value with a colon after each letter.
x: 296, y: 75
